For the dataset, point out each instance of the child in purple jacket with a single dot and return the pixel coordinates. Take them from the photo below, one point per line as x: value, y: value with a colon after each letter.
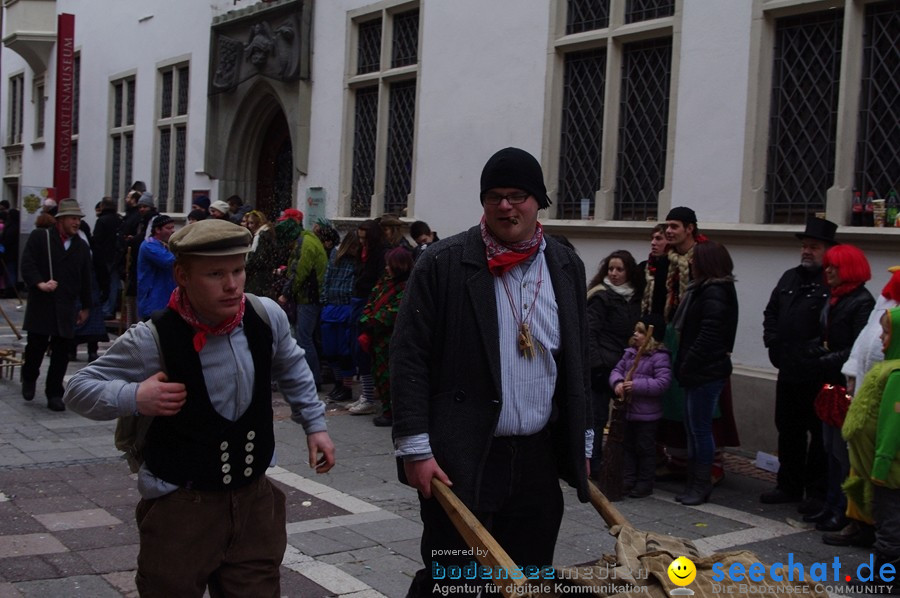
x: 649, y: 381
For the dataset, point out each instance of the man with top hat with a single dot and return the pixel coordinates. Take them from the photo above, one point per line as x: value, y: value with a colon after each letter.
x: 56, y: 268
x: 208, y: 518
x: 791, y: 322
x: 489, y: 374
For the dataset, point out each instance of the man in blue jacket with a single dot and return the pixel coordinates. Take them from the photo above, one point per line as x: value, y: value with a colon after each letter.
x: 155, y: 280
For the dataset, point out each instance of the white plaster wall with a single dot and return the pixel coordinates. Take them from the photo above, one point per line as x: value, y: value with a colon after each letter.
x: 114, y: 37
x: 711, y: 108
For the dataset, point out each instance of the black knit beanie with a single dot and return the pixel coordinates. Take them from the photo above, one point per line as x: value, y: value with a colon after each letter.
x: 682, y: 214
x: 516, y: 168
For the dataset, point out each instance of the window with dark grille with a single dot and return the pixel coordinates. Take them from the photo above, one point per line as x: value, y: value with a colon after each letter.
x: 365, y: 129
x: 172, y: 131
x: 183, y: 86
x: 165, y: 110
x: 40, y: 110
x: 180, y: 147
x: 401, y: 121
x: 165, y: 149
x: 121, y: 136
x: 644, y: 10
x: 581, y: 131
x: 368, y: 56
x: 116, y: 171
x: 405, y: 49
x: 878, y: 148
x: 586, y: 15
x: 803, y: 121
x: 643, y: 128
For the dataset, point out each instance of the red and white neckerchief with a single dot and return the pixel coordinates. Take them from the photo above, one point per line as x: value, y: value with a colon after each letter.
x: 502, y: 256
x: 179, y: 303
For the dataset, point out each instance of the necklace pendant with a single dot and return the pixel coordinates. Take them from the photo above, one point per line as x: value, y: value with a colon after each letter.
x: 526, y: 342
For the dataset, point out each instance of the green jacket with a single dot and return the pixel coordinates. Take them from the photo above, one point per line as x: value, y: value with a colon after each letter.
x: 872, y: 427
x: 306, y: 267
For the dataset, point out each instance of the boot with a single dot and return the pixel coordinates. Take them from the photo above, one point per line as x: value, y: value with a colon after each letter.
x: 688, y: 482
x: 702, y: 486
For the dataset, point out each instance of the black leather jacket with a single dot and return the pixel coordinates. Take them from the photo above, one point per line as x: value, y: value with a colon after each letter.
x: 791, y: 319
x: 840, y: 324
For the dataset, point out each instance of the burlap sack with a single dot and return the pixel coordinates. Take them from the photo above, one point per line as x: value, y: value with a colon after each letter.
x: 640, y: 569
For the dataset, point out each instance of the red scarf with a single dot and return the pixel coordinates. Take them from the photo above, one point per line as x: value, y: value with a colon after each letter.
x: 845, y: 288
x: 502, y: 256
x: 179, y: 303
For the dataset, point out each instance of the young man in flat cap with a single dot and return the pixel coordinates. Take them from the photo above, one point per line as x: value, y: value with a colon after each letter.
x: 489, y: 374
x: 208, y: 515
x: 791, y: 323
x: 56, y: 268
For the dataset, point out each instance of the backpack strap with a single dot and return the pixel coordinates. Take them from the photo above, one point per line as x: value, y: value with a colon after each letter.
x: 258, y: 307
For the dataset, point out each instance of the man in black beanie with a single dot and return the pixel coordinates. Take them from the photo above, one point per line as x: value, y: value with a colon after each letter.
x: 488, y: 372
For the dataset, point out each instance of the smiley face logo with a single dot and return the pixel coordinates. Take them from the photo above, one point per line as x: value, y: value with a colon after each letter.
x: 682, y: 571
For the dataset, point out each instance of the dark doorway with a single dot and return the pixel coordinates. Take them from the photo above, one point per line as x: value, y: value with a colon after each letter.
x: 275, y: 180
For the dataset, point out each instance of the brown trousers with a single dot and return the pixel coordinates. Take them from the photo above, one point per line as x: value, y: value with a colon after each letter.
x: 232, y: 541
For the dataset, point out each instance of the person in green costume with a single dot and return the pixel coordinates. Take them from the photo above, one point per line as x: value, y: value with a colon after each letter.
x: 872, y: 432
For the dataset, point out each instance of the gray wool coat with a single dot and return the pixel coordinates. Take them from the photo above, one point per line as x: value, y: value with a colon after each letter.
x: 54, y: 313
x: 445, y: 361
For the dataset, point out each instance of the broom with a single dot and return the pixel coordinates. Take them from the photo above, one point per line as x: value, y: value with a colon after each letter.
x: 610, y: 481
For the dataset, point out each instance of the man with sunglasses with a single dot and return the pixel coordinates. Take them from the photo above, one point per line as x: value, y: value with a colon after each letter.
x: 489, y: 373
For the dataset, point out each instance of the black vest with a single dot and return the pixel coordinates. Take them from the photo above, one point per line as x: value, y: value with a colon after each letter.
x: 198, y: 448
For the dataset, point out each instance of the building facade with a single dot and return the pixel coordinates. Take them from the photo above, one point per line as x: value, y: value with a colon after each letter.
x: 756, y: 113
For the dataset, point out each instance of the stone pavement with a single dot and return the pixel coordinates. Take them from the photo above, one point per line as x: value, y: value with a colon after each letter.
x: 67, y: 507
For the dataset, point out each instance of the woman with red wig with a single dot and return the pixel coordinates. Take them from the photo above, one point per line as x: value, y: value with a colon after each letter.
x: 844, y: 316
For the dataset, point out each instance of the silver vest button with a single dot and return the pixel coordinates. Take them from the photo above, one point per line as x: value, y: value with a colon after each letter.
x: 248, y: 459
x: 224, y: 445
x: 226, y: 479
x: 248, y: 472
x: 248, y: 447
x: 225, y: 457
x: 226, y: 468
x: 251, y: 435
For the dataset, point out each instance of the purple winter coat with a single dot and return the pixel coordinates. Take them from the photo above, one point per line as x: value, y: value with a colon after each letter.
x: 651, y: 379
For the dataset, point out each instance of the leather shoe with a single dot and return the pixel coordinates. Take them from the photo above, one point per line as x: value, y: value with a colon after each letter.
x: 822, y: 515
x: 853, y: 534
x: 55, y: 404
x: 834, y: 523
x: 383, y: 421
x: 810, y: 506
x: 28, y: 389
x: 778, y: 496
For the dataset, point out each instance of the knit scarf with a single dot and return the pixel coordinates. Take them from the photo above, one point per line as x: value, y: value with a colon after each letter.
x: 502, y: 256
x: 179, y: 303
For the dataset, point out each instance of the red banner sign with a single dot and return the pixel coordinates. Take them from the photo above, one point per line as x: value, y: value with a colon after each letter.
x: 65, y: 95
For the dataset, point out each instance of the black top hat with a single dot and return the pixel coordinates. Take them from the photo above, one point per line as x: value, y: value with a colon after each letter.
x: 819, y: 229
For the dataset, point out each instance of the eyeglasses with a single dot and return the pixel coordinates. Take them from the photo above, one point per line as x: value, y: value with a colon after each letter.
x: 494, y: 199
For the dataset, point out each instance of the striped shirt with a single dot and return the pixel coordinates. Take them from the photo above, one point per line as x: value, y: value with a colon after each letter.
x: 527, y: 384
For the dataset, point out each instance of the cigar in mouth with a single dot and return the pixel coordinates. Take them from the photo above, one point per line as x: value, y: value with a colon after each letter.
x: 514, y: 220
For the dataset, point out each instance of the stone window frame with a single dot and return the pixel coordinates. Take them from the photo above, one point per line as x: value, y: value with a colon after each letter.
x: 382, y: 79
x: 173, y: 126
x: 613, y: 38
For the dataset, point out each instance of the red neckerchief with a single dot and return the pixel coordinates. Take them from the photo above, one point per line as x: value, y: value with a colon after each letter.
x: 62, y: 236
x: 845, y: 288
x: 503, y: 256
x: 178, y: 302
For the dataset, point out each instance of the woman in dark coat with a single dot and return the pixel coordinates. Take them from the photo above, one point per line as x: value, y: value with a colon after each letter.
x: 706, y: 321
x: 613, y: 308
x: 844, y: 316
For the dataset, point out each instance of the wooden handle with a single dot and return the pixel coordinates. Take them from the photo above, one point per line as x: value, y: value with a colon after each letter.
x: 611, y: 515
x: 488, y: 552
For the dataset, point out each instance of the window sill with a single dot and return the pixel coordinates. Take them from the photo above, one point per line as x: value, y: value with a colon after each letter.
x: 746, y: 234
x: 37, y: 144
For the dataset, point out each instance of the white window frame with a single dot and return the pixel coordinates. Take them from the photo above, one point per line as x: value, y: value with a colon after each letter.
x: 172, y: 124
x: 16, y: 113
x: 123, y: 131
x: 382, y: 78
